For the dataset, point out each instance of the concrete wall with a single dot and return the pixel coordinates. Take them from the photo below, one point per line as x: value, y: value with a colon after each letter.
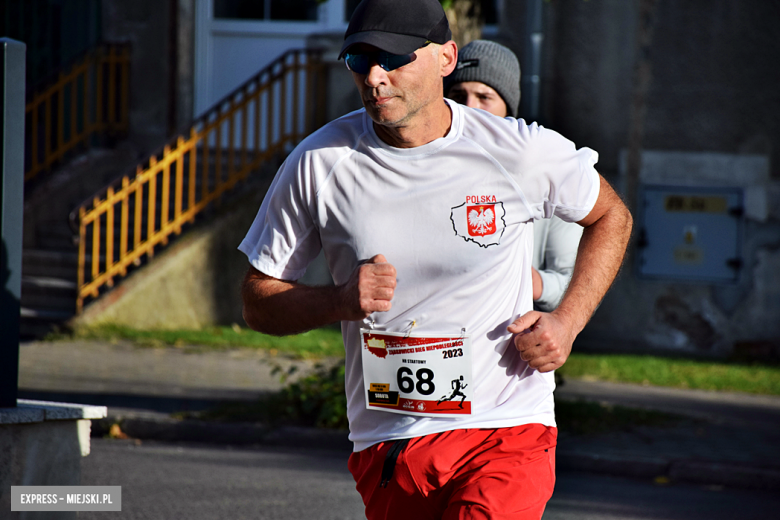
x: 589, y: 57
x: 342, y: 95
x: 162, y: 70
x: 146, y: 25
x: 712, y: 319
x: 713, y: 89
x: 715, y: 80
x: 713, y: 86
x: 185, y: 66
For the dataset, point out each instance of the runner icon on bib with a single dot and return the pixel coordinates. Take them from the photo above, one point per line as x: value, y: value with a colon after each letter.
x: 405, y: 373
x: 457, y: 386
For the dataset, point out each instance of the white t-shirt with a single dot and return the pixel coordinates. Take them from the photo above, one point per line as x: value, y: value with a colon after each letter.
x: 347, y: 192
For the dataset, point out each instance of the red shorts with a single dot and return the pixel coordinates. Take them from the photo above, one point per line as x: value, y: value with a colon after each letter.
x: 461, y: 474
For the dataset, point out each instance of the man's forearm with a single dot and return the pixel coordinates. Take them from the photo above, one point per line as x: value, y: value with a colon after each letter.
x: 280, y: 307
x: 600, y: 254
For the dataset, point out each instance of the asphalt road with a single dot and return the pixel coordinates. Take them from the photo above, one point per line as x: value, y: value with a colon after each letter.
x: 166, y: 480
x: 171, y: 481
x: 584, y: 496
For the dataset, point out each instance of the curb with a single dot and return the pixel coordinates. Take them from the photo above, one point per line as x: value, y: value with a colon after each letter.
x: 188, y: 430
x: 164, y: 428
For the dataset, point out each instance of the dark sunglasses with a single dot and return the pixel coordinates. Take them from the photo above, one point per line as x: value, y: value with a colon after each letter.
x: 361, y: 63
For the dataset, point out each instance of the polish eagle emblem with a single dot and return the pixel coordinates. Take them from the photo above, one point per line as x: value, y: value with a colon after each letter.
x: 482, y: 224
x: 481, y: 220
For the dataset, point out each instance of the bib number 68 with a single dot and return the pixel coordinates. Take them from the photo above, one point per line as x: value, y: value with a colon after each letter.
x: 424, y: 383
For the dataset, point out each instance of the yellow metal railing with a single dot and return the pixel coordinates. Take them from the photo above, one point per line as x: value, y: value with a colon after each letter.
x: 268, y: 114
x: 91, y: 97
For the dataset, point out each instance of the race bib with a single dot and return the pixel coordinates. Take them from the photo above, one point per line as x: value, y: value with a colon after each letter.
x: 417, y: 374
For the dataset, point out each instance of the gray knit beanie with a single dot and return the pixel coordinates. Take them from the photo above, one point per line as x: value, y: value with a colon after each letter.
x: 492, y: 64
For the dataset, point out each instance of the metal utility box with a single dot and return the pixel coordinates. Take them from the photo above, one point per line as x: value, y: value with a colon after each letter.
x: 690, y: 233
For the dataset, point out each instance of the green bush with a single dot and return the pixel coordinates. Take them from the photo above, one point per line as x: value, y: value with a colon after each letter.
x: 318, y: 399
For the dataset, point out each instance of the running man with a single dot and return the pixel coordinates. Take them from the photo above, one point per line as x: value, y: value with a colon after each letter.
x: 429, y: 284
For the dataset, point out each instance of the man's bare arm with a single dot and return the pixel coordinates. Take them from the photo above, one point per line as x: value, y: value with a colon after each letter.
x: 281, y: 307
x: 599, y: 256
x: 544, y: 340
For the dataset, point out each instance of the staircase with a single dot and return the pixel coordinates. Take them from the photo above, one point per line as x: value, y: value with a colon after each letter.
x: 48, y: 290
x: 119, y: 224
x: 81, y: 106
x: 50, y: 254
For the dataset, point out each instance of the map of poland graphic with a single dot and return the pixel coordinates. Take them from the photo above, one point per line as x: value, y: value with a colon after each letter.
x: 482, y: 224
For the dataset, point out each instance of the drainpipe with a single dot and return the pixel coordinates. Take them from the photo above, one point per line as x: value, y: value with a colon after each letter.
x: 531, y: 82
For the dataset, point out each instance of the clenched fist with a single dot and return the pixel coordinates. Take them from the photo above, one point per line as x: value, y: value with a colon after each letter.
x: 543, y: 339
x: 369, y: 289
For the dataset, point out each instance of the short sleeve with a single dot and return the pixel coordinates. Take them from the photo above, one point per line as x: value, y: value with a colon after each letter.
x: 557, y: 178
x: 283, y: 238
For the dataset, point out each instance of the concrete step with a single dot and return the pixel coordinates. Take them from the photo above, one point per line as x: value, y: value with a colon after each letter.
x: 55, y: 241
x: 44, y: 315
x: 46, y: 293
x: 45, y: 283
x: 48, y: 290
x: 50, y: 263
x: 38, y: 322
x: 50, y: 302
x: 35, y: 328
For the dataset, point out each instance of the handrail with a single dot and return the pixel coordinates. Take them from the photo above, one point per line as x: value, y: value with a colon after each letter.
x: 268, y: 114
x: 89, y: 97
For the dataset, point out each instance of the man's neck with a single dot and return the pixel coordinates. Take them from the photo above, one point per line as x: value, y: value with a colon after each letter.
x: 424, y: 128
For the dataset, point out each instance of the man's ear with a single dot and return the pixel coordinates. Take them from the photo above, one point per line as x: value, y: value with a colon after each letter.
x: 448, y: 58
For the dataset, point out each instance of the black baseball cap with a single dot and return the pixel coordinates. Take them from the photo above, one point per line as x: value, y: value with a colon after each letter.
x: 397, y: 26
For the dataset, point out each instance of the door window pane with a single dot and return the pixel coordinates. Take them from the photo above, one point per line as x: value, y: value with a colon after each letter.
x: 239, y: 9
x: 294, y: 10
x: 489, y: 12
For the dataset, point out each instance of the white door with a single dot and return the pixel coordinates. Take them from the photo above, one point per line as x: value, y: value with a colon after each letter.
x: 234, y: 39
